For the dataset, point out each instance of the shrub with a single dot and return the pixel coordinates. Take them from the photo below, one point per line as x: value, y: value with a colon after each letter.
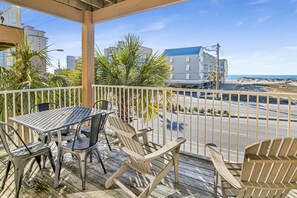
x: 201, y: 110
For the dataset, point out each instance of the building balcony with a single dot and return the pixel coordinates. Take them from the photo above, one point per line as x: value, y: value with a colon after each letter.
x: 231, y: 120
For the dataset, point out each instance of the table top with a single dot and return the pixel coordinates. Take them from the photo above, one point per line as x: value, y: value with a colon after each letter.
x: 50, y: 120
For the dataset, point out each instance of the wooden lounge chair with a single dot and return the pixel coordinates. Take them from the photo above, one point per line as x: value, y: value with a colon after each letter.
x: 147, y: 158
x: 268, y: 170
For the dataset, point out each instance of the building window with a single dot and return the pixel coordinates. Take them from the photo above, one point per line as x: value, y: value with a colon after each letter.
x: 188, y: 67
x: 188, y: 59
x: 188, y: 76
x: 171, y: 59
x: 171, y: 76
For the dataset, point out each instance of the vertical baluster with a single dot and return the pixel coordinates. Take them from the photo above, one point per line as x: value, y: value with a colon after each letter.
x: 171, y: 110
x: 198, y: 121
x: 212, y: 117
x: 278, y: 112
x: 142, y: 110
x: 42, y: 98
x: 204, y: 139
x: 147, y: 108
x: 267, y: 116
x: 153, y: 114
x: 79, y: 102
x: 238, y: 128
x: 247, y: 119
x: 124, y: 111
x: 257, y: 118
x: 221, y: 120
x: 289, y: 116
x: 191, y: 117
x: 48, y: 96
x: 229, y: 129
x: 65, y: 103
x: 69, y: 95
x: 164, y: 116
x: 158, y: 122
x: 60, y: 104
x: 184, y: 119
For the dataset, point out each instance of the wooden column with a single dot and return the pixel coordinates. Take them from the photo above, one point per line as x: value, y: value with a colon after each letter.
x: 88, y: 45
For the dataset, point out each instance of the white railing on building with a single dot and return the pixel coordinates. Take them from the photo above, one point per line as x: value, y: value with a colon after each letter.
x: 230, y: 119
x: 19, y: 102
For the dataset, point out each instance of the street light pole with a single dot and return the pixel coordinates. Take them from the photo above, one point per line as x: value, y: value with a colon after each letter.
x: 216, y: 48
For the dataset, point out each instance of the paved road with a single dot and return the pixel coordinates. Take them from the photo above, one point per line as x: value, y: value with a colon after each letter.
x: 251, y: 109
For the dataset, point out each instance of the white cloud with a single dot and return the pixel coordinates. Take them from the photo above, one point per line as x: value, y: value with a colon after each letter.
x: 263, y: 19
x: 159, y: 25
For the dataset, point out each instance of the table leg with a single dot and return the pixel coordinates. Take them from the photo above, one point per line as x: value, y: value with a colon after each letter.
x: 58, y: 161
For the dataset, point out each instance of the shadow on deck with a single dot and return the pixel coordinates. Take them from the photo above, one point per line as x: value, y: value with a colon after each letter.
x: 196, y: 179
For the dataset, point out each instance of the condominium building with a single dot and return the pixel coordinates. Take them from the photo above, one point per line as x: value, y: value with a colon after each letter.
x: 37, y: 41
x: 11, y: 18
x: 70, y: 62
x: 223, y: 69
x: 144, y: 50
x: 190, y: 66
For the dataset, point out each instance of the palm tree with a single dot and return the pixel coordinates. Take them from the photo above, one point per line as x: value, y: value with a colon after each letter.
x: 213, y: 77
x: 129, y: 66
x: 25, y: 75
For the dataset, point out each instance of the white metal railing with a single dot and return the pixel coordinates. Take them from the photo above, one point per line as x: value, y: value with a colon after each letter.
x: 230, y: 119
x: 19, y: 102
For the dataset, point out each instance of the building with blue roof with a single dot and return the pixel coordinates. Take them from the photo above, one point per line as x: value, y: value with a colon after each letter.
x: 190, y: 66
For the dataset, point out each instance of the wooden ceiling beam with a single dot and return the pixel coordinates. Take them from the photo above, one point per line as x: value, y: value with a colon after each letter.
x: 76, y: 4
x: 50, y: 7
x: 94, y: 3
x: 129, y: 7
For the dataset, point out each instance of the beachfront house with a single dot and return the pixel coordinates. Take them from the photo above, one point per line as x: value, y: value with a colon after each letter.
x: 191, y: 67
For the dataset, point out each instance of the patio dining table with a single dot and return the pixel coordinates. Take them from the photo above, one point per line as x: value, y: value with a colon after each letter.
x: 54, y: 120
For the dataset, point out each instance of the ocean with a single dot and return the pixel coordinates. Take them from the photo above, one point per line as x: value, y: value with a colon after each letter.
x: 234, y: 77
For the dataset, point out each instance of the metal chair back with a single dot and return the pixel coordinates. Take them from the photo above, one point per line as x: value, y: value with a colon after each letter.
x: 103, y: 105
x: 97, y: 124
x: 7, y: 135
x: 43, y: 106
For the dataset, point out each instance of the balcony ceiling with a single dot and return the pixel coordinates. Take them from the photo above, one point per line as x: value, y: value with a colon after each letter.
x: 88, y: 4
x: 102, y: 10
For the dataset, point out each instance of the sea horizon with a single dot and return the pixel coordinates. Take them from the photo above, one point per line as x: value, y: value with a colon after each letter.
x: 234, y: 77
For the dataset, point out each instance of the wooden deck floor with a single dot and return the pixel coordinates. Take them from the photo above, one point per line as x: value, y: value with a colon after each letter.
x: 196, y: 180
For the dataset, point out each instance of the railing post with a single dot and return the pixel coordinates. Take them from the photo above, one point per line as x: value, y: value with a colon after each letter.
x: 164, y: 116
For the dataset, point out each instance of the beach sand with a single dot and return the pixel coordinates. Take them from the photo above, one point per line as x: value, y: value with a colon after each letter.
x: 262, y: 85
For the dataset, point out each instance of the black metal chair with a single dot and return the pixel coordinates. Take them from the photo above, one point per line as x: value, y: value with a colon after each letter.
x: 81, y: 146
x: 101, y: 105
x: 19, y: 156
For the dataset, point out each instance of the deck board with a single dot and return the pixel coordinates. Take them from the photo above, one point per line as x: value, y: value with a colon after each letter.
x: 196, y: 179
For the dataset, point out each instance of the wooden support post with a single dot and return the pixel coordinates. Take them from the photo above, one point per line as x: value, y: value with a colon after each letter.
x: 88, y: 45
x: 24, y: 134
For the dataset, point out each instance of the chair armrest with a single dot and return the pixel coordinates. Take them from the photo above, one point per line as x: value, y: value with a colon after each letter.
x: 142, y: 132
x: 150, y: 157
x: 219, y: 164
x: 165, y: 149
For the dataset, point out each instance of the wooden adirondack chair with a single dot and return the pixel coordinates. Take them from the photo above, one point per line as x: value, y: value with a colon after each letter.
x: 149, y: 159
x: 268, y: 170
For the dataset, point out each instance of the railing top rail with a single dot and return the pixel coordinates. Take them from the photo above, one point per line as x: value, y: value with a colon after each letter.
x: 42, y: 89
x: 275, y: 94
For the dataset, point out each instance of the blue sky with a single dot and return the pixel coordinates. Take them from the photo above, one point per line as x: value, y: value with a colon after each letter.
x: 257, y: 36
